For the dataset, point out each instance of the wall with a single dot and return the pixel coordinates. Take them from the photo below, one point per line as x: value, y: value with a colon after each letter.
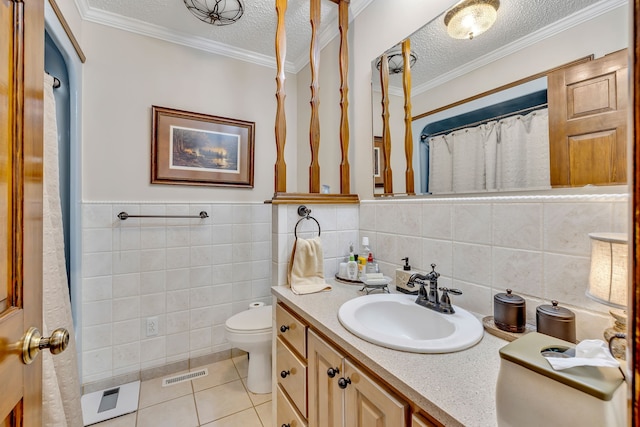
x: 535, y: 245
x: 127, y: 73
x: 192, y: 274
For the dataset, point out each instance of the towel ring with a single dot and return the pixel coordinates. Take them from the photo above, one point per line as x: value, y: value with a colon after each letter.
x: 305, y: 213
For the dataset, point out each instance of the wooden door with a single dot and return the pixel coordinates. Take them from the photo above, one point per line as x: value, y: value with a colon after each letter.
x: 588, y: 122
x: 368, y: 404
x: 21, y: 85
x: 325, y: 397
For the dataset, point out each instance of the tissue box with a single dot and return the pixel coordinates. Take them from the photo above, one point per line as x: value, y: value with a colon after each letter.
x: 402, y: 277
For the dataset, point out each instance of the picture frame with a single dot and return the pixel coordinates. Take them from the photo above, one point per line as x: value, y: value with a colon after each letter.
x: 378, y: 162
x: 199, y: 149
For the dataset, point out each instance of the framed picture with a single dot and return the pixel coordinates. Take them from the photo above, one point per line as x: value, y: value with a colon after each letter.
x: 378, y: 162
x: 198, y: 149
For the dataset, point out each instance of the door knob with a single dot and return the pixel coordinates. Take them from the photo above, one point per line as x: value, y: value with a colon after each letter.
x: 33, y: 342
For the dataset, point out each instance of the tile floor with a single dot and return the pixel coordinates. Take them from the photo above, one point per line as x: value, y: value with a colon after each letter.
x: 220, y: 399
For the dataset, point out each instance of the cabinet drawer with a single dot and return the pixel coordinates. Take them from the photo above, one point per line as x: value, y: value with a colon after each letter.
x: 287, y: 414
x: 292, y: 375
x: 291, y: 330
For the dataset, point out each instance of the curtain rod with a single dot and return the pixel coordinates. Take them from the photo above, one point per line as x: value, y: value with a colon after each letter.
x: 480, y: 122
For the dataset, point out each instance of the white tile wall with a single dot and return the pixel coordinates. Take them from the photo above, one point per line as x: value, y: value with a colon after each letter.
x: 192, y: 274
x: 536, y: 245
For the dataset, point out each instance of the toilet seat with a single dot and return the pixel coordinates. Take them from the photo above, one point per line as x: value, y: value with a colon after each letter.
x: 254, y: 321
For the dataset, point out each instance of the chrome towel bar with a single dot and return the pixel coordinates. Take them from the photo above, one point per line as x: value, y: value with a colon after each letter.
x: 123, y: 216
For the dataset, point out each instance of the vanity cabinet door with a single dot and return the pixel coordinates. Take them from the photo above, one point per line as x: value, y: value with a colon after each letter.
x: 367, y: 403
x: 325, y: 397
x: 418, y: 421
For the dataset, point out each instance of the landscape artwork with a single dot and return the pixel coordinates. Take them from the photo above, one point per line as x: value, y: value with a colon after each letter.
x: 190, y: 148
x: 193, y: 149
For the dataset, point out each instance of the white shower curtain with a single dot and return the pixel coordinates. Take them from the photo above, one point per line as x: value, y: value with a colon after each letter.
x: 60, y: 382
x: 440, y: 165
x: 523, y: 152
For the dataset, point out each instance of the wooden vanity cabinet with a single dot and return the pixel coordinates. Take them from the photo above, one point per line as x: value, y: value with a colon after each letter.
x: 324, y: 387
x: 341, y: 394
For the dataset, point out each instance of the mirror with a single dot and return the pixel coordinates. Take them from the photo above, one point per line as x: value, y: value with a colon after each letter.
x: 448, y: 71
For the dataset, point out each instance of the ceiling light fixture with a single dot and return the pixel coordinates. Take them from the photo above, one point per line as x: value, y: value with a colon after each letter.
x: 396, y: 62
x: 470, y: 18
x: 216, y: 12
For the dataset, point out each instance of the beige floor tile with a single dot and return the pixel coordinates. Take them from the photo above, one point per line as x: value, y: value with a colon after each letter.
x: 152, y: 392
x: 221, y: 401
x: 219, y: 373
x: 256, y: 399
x: 128, y: 420
x: 177, y: 412
x: 264, y: 412
x: 246, y: 418
x: 242, y: 365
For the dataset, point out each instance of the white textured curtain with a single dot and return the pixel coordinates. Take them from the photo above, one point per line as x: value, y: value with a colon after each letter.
x: 440, y: 165
x: 60, y: 382
x: 523, y: 152
x: 469, y: 159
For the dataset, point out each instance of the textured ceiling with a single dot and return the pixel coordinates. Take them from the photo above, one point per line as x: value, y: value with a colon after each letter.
x: 252, y: 38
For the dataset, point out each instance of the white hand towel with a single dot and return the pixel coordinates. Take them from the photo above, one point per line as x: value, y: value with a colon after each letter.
x: 306, y: 267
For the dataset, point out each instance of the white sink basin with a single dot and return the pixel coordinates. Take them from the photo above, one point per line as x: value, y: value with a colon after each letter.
x: 396, y: 321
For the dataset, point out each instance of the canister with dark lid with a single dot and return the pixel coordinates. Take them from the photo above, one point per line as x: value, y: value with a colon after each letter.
x: 556, y: 321
x: 509, y: 312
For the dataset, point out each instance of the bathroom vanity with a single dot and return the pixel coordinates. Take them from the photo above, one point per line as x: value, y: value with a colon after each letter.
x: 324, y: 374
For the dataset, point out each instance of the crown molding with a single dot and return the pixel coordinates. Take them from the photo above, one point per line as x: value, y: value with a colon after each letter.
x: 564, y: 24
x: 201, y: 43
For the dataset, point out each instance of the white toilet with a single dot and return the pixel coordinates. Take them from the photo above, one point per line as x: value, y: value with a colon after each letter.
x: 250, y: 331
x: 530, y: 393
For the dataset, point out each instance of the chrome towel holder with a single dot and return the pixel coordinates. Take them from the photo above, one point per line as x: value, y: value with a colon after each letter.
x: 305, y: 213
x: 123, y: 216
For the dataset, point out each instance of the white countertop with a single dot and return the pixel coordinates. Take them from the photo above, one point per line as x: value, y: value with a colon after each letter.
x: 457, y: 389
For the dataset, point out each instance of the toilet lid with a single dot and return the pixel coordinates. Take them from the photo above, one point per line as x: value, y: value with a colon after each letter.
x: 254, y: 319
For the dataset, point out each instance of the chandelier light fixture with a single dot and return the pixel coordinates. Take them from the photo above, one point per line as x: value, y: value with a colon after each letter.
x: 396, y: 62
x: 470, y: 18
x: 216, y: 12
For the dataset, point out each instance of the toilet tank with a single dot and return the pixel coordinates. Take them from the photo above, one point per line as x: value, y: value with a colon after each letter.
x: 530, y: 392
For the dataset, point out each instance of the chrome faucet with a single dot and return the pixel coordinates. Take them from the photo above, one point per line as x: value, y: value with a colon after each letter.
x: 430, y: 299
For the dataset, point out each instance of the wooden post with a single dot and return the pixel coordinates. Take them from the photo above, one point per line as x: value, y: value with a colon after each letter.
x: 281, y: 122
x: 314, y: 126
x: 408, y: 133
x: 343, y: 24
x: 386, y: 132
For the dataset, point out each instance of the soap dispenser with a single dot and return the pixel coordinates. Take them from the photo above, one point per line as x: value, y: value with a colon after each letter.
x: 402, y: 277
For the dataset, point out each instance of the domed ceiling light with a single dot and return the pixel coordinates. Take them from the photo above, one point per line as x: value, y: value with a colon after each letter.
x: 470, y: 18
x: 216, y: 12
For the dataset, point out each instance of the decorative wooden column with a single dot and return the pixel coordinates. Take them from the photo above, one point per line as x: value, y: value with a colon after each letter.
x: 343, y: 23
x: 281, y: 121
x: 386, y: 132
x: 408, y: 133
x: 314, y: 126
x: 314, y: 195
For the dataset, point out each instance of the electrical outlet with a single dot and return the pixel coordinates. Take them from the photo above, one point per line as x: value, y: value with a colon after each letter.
x: 152, y: 326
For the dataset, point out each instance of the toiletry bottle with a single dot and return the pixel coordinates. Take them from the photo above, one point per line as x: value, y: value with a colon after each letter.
x: 352, y: 268
x: 371, y: 266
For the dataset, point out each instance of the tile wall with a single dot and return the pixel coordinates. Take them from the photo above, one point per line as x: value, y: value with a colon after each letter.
x: 192, y: 274
x: 535, y: 245
x: 338, y: 227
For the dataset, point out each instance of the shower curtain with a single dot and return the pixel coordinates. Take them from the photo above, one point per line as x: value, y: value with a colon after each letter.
x: 60, y: 382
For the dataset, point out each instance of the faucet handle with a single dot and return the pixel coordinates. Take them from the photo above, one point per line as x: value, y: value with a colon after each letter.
x: 445, y: 301
x: 451, y: 291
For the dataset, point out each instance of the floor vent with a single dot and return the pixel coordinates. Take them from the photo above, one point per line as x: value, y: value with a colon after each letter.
x: 185, y: 377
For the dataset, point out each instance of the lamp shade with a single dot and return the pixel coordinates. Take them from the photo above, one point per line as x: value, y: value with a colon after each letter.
x: 471, y: 18
x: 608, y: 281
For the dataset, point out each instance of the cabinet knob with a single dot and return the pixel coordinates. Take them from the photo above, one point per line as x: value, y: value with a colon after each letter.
x: 344, y: 382
x: 286, y: 425
x: 284, y: 328
x: 284, y: 374
x: 331, y: 372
